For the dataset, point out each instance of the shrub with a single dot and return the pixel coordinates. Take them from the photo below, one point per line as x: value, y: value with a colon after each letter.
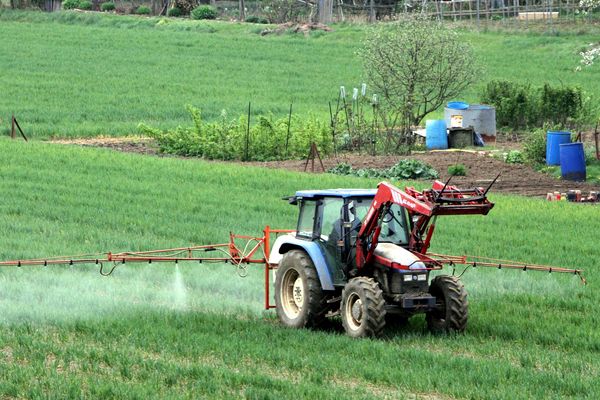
x: 143, y: 10
x: 404, y: 169
x: 515, y: 157
x: 174, y: 12
x: 85, y: 5
x: 515, y: 105
x: 186, y: 6
x: 519, y: 106
x: 559, y: 105
x: 204, y: 12
x: 457, y: 170
x: 70, y: 4
x: 108, y: 6
x: 253, y: 19
x: 534, y: 147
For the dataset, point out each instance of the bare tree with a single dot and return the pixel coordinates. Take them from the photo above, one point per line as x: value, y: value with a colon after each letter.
x: 415, y: 65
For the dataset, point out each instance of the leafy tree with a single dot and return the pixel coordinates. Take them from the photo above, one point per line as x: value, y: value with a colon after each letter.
x: 415, y: 65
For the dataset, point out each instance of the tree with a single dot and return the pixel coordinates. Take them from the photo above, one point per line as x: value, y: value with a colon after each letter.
x: 415, y: 65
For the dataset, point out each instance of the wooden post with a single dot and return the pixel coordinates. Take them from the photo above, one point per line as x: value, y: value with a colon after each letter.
x: 313, y: 153
x: 247, y: 149
x: 242, y: 10
x: 12, y: 130
x: 596, y: 140
x: 287, y: 137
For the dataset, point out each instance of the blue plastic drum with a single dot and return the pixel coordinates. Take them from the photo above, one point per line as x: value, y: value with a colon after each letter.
x: 436, y: 136
x: 572, y: 162
x: 553, y: 140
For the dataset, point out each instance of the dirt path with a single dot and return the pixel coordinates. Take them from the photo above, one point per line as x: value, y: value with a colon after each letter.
x: 481, y: 166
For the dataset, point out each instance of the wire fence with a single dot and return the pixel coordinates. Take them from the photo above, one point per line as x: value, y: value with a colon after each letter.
x: 519, y: 13
x: 516, y: 13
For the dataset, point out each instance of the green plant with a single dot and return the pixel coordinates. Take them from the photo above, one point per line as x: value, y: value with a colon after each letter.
x: 226, y: 139
x: 515, y: 157
x: 519, y: 106
x: 457, y: 170
x: 534, y: 147
x: 143, y: 10
x: 70, y: 4
x: 85, y: 5
x: 204, y: 12
x: 254, y: 19
x: 402, y: 170
x: 514, y: 102
x: 108, y: 6
x: 174, y: 12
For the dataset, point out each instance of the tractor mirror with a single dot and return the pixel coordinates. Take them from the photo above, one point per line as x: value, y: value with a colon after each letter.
x: 349, y: 214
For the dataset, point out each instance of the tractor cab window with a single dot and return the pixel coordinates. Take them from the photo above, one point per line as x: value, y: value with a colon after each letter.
x: 362, y: 207
x: 332, y: 212
x: 394, y: 227
x: 306, y: 221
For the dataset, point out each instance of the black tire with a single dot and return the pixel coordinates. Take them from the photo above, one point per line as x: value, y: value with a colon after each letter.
x: 363, y: 308
x: 299, y: 298
x: 452, y: 305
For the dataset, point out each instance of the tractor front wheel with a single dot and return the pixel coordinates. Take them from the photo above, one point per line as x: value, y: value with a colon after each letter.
x: 452, y: 306
x: 363, y: 308
x: 299, y: 297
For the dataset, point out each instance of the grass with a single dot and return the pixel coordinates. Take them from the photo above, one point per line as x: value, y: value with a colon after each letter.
x: 67, y: 332
x: 103, y: 74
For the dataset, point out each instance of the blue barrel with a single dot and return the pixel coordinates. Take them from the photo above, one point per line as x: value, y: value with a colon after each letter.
x: 572, y: 162
x: 435, y: 134
x: 553, y: 140
x: 458, y: 105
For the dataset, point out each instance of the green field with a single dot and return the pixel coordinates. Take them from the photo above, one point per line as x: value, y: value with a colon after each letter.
x: 67, y: 332
x: 74, y: 74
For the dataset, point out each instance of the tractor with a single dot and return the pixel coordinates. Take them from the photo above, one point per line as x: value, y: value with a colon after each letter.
x: 361, y: 255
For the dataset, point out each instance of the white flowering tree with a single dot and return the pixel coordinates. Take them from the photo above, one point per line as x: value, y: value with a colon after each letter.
x: 416, y: 65
x: 586, y: 6
x: 589, y: 56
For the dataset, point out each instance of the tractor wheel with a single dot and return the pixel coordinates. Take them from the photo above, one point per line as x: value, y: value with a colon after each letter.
x: 299, y: 298
x: 452, y: 305
x: 363, y: 308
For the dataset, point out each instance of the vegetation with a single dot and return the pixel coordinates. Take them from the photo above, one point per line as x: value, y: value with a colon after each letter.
x: 174, y: 12
x: 143, y: 10
x: 67, y: 332
x: 70, y: 4
x: 519, y: 106
x: 204, y: 12
x: 256, y: 20
x: 101, y: 94
x: 402, y: 170
x: 416, y: 65
x: 534, y: 148
x: 85, y: 5
x: 515, y: 157
x: 108, y: 6
x: 457, y: 170
x: 267, y: 139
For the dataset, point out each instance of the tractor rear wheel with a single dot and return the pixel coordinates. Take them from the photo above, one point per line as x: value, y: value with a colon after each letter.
x: 299, y: 298
x: 363, y: 308
x: 452, y: 305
